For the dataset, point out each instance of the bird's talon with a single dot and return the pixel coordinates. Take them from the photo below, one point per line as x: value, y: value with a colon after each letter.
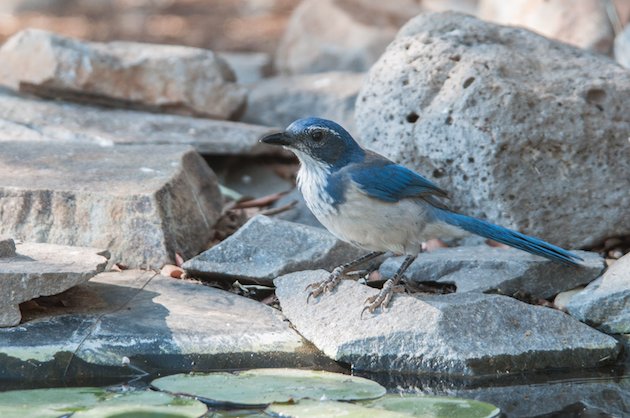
x: 317, y: 290
x: 363, y: 311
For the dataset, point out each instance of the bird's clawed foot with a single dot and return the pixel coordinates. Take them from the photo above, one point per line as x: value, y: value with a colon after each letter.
x: 327, y: 285
x: 382, y: 298
x: 336, y: 275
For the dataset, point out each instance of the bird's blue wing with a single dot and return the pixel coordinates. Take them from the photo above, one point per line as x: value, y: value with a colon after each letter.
x: 392, y: 182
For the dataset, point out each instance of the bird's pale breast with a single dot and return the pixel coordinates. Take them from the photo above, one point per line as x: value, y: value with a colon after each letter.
x: 372, y: 224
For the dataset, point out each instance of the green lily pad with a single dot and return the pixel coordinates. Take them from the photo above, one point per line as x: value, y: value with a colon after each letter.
x: 435, y: 406
x: 52, y: 403
x: 133, y: 411
x: 329, y: 409
x: 264, y: 386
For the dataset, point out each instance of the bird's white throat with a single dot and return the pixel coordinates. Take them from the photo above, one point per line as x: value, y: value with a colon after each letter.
x: 312, y: 179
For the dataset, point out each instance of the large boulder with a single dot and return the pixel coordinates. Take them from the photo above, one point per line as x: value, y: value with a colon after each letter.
x: 584, y: 23
x: 142, y: 203
x: 340, y: 35
x: 169, y: 78
x: 524, y: 131
x: 278, y: 101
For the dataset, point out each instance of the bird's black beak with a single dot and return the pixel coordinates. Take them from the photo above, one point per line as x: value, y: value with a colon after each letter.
x: 279, y: 138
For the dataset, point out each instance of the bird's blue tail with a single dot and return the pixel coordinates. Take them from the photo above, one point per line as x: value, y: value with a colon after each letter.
x: 509, y: 237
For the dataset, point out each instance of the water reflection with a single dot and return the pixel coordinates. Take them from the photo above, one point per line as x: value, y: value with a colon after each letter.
x: 586, y: 393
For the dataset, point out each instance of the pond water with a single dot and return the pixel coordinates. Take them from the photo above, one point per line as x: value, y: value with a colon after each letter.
x: 587, y: 393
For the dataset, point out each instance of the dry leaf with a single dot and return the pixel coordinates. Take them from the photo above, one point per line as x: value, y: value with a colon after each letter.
x: 170, y: 270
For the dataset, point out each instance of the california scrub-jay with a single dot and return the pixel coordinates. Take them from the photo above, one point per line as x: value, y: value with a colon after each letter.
x: 367, y: 200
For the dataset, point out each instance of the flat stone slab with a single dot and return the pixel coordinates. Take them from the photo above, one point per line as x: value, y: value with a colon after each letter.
x: 30, y: 119
x: 265, y: 248
x: 142, y: 203
x: 168, y: 78
x: 158, y: 323
x: 42, y: 270
x: 605, y: 303
x: 466, y: 334
x: 507, y: 271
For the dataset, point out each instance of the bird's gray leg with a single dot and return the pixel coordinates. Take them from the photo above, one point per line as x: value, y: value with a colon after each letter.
x: 385, y: 295
x: 335, y: 276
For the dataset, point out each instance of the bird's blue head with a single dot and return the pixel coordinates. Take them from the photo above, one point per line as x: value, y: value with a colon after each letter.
x: 318, y: 139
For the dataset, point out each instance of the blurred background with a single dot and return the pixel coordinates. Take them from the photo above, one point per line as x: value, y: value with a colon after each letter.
x: 228, y: 25
x: 324, y: 27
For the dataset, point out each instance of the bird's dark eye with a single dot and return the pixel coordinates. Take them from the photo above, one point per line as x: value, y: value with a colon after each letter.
x: 317, y: 135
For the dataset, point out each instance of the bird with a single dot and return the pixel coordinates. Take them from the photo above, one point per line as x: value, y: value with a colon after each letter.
x: 371, y: 202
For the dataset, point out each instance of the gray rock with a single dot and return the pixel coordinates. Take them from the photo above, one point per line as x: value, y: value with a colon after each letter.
x: 43, y: 270
x: 249, y: 67
x: 158, y: 323
x: 265, y: 248
x: 175, y: 79
x: 557, y: 20
x: 278, y: 101
x: 340, y: 35
x: 7, y: 247
x: 622, y: 47
x: 459, y: 334
x: 605, y: 303
x: 142, y: 203
x: 486, y: 269
x: 25, y: 119
x: 505, y: 120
